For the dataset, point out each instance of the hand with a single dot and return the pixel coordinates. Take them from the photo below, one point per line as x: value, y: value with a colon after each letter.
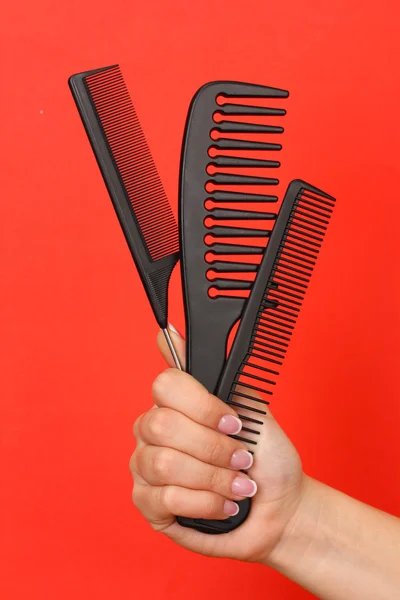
x: 185, y: 464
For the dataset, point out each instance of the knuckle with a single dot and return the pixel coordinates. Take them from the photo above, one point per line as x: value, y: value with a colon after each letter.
x: 137, y: 496
x: 211, y: 506
x: 137, y: 462
x: 213, y: 451
x: 215, y: 480
x: 162, y: 464
x: 168, y: 498
x: 207, y: 407
x: 132, y: 464
x: 161, y: 382
x: 136, y: 427
x: 157, y: 423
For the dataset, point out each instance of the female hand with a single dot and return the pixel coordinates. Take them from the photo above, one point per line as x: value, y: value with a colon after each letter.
x: 185, y: 464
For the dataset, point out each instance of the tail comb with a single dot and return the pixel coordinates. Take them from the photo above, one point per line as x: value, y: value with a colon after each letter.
x: 131, y: 177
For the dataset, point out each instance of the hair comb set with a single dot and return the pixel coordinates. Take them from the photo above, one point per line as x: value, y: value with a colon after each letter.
x: 242, y: 260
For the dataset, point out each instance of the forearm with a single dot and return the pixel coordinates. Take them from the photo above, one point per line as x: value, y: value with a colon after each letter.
x: 339, y: 548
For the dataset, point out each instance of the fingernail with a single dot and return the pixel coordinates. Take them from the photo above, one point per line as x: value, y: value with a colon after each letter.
x: 242, y: 486
x: 172, y: 328
x: 241, y: 459
x: 230, y: 424
x: 231, y: 508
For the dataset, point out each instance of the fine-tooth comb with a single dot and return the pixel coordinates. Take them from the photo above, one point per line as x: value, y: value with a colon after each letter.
x: 132, y: 180
x: 216, y: 190
x: 269, y: 318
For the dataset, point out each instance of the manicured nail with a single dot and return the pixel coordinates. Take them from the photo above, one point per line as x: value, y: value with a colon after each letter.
x: 241, y: 459
x: 242, y: 486
x: 231, y: 508
x: 230, y: 425
x: 172, y: 328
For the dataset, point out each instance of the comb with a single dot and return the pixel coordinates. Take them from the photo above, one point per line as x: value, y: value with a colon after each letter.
x: 225, y: 137
x: 132, y: 180
x: 269, y: 318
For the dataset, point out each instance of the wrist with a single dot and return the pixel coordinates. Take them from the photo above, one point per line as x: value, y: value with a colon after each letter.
x: 305, y: 532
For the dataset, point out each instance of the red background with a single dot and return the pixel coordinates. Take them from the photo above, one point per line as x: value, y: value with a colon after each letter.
x: 77, y: 351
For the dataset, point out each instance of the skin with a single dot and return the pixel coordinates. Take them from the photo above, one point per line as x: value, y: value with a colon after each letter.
x: 329, y: 543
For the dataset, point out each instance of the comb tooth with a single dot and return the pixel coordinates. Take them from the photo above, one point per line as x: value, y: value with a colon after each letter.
x: 232, y: 127
x: 232, y: 284
x: 229, y: 232
x: 233, y: 144
x: 247, y: 396
x: 232, y: 161
x: 284, y: 262
x: 276, y: 337
x: 267, y: 323
x: 329, y: 210
x: 298, y: 255
x: 224, y: 178
x: 250, y: 420
x: 283, y: 312
x: 250, y: 90
x: 304, y: 232
x: 241, y: 109
x: 285, y: 298
x: 259, y: 347
x: 220, y: 196
x: 290, y: 234
x: 272, y: 332
x: 324, y: 217
x: 311, y: 190
x: 283, y: 290
x: 255, y: 388
x: 257, y: 377
x: 279, y: 274
x: 279, y: 316
x: 263, y: 320
x: 250, y: 430
x: 254, y: 366
x: 289, y: 311
x: 318, y: 200
x: 232, y: 249
x: 269, y: 304
x: 264, y: 357
x: 231, y: 214
x: 295, y: 247
x: 267, y: 339
x: 232, y: 267
x: 239, y: 405
x: 296, y: 219
x: 243, y: 439
x: 278, y: 304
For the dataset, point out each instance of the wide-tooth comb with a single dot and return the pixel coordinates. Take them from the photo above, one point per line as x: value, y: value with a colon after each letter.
x: 132, y: 180
x: 204, y: 163
x: 268, y: 319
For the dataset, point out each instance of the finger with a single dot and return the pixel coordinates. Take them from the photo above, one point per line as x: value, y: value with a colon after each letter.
x: 179, y: 345
x: 159, y: 504
x: 181, y: 392
x: 171, y: 429
x: 165, y: 466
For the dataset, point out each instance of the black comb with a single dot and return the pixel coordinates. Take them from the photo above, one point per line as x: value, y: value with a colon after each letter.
x: 217, y: 215
x: 268, y: 319
x: 132, y: 180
